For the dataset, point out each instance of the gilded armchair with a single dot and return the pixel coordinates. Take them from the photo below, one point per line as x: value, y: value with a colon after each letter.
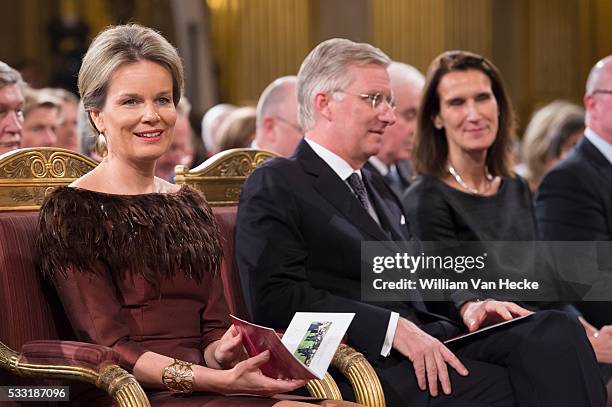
x: 220, y: 178
x: 32, y: 318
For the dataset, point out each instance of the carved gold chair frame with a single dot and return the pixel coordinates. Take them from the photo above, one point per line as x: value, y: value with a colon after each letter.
x: 26, y: 176
x: 220, y: 178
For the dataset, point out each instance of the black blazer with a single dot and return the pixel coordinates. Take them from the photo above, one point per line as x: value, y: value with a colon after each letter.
x: 397, y: 189
x: 574, y: 202
x: 298, y: 244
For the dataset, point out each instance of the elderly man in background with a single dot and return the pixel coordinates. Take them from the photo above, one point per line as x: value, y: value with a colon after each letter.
x: 181, y: 150
x: 211, y: 121
x: 396, y: 147
x: 277, y: 128
x: 42, y: 115
x: 11, y: 108
x: 574, y: 202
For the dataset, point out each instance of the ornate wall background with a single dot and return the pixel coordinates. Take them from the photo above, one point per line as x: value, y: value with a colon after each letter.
x: 543, y: 47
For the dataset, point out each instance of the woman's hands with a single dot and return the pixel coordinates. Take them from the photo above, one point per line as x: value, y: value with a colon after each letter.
x: 246, y: 378
x: 477, y: 314
x: 228, y: 350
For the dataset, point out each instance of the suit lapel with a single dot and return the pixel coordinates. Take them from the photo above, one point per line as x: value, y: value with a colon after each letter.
x: 387, y: 206
x: 336, y: 192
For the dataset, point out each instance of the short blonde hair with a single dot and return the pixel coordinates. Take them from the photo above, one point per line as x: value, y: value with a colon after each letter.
x: 536, y: 140
x: 40, y: 98
x: 119, y: 45
x: 325, y: 70
x: 238, y: 129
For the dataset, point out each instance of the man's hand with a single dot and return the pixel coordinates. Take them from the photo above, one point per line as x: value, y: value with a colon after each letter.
x: 428, y: 355
x: 601, y: 340
x: 477, y: 314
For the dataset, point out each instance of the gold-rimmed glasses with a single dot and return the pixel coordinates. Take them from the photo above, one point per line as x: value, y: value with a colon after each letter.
x: 375, y: 99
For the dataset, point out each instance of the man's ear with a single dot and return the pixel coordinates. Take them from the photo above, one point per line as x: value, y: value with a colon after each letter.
x: 97, y: 118
x: 589, y: 102
x: 268, y: 128
x: 322, y: 105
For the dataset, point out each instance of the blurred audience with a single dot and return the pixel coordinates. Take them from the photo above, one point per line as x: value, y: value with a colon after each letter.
x: 86, y: 135
x: 277, y: 128
x: 181, y: 151
x: 238, y: 129
x: 67, y: 134
x: 407, y: 84
x: 11, y: 108
x: 211, y: 121
x: 535, y: 150
x: 42, y: 115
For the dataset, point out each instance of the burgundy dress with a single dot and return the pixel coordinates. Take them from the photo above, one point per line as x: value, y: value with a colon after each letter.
x: 139, y: 273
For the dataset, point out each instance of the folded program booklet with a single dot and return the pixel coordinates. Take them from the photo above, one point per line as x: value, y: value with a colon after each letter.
x: 306, y: 348
x: 486, y: 329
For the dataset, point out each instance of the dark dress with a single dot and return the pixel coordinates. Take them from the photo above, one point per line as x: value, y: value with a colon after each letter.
x: 437, y: 211
x: 139, y: 273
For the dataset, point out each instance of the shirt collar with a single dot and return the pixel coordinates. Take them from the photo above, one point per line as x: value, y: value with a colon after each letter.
x: 337, y: 163
x: 602, y: 145
x: 379, y: 165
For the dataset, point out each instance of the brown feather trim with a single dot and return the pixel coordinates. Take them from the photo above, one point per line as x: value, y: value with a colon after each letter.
x: 154, y: 235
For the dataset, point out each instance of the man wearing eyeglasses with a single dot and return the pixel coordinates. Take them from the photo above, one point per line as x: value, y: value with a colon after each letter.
x: 11, y: 108
x: 301, y: 223
x: 574, y: 202
x: 277, y: 128
x: 396, y: 148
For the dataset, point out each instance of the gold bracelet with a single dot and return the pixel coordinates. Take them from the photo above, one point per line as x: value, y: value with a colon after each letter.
x: 179, y: 377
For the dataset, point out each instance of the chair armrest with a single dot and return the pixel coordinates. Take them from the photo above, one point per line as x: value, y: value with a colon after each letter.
x: 361, y: 375
x: 95, y: 364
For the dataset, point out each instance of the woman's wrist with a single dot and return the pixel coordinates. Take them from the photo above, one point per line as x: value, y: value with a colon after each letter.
x: 211, y: 380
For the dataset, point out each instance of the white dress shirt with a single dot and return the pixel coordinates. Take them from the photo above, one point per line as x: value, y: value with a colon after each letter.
x: 344, y: 170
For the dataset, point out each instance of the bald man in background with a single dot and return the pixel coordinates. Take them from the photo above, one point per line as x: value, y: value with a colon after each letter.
x: 392, y: 160
x: 277, y: 128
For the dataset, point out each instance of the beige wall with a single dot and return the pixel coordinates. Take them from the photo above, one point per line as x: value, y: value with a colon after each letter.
x: 544, y: 48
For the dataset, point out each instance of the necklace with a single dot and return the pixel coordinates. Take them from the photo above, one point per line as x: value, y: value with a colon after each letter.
x: 461, y: 182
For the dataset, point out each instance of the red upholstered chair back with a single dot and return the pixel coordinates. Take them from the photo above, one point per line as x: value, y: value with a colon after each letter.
x: 29, y: 307
x: 220, y: 178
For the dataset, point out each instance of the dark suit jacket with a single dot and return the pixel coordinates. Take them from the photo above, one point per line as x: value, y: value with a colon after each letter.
x: 298, y: 245
x: 398, y: 189
x: 574, y: 202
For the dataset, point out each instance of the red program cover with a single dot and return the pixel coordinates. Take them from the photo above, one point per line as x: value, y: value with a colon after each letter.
x: 282, y: 364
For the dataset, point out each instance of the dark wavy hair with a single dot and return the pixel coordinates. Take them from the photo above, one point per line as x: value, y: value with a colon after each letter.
x: 430, y: 153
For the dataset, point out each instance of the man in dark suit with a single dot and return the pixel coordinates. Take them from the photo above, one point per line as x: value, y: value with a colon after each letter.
x: 301, y: 222
x: 574, y: 202
x: 396, y: 147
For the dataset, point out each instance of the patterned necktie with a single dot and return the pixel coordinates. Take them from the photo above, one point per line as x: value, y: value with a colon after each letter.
x: 358, y: 187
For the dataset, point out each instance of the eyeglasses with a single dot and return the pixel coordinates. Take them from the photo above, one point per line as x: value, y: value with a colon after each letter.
x: 602, y: 91
x: 287, y: 122
x: 375, y: 99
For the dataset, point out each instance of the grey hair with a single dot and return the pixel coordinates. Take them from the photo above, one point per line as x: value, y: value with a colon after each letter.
x: 10, y: 76
x: 119, y: 45
x: 209, y: 119
x: 325, y: 70
x: 400, y: 73
x: 40, y: 98
x: 273, y: 96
